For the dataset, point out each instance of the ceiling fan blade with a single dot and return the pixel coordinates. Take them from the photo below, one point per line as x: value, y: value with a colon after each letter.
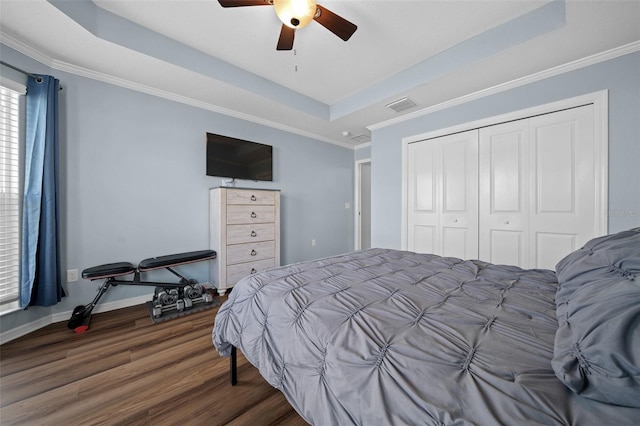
x: 335, y: 23
x: 285, y: 42
x: 237, y: 3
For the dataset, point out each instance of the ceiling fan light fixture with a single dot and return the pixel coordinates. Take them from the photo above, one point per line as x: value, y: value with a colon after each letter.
x: 295, y: 13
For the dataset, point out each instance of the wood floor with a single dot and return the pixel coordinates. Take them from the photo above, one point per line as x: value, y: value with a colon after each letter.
x: 128, y: 371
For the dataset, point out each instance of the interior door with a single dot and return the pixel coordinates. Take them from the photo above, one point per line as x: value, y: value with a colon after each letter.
x: 364, y: 206
x: 563, y: 184
x: 537, y: 188
x: 504, y: 194
x: 442, y: 187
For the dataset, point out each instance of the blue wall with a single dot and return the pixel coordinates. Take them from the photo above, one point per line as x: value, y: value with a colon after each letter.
x: 620, y: 76
x: 362, y: 153
x: 134, y: 185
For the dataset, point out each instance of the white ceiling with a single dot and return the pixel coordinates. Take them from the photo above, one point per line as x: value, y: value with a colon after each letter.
x: 224, y: 59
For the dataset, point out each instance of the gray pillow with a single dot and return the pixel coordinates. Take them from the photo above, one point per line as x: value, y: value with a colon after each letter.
x: 602, y: 257
x: 597, y: 345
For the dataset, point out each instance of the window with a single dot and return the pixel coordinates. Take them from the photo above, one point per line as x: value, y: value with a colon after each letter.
x: 10, y: 199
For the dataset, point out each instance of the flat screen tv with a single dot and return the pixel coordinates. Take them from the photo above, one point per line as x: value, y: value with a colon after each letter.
x: 239, y: 159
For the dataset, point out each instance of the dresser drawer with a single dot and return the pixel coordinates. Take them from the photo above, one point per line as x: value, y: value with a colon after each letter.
x: 238, y: 234
x: 236, y: 272
x: 247, y: 196
x: 249, y: 252
x: 240, y: 214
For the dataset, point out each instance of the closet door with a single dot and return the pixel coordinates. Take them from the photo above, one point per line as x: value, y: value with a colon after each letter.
x: 504, y: 194
x: 443, y: 195
x: 563, y: 184
x: 537, y: 188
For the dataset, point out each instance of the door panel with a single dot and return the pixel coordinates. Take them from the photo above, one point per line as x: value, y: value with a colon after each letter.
x: 555, y: 169
x: 563, y: 212
x: 455, y: 172
x: 425, y: 179
x: 505, y: 173
x: 423, y: 217
x: 503, y: 201
x: 455, y: 242
x: 507, y: 247
x: 443, y: 195
x: 424, y: 239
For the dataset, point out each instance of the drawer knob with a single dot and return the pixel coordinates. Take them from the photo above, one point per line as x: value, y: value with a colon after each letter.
x: 253, y: 198
x: 253, y: 234
x: 253, y: 271
x: 253, y: 215
x: 253, y: 252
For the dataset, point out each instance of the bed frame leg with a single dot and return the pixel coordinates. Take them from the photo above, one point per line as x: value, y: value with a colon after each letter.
x: 233, y: 367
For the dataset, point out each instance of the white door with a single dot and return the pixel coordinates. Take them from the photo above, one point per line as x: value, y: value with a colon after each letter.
x: 537, y: 188
x: 563, y: 184
x: 442, y: 195
x: 363, y: 218
x: 504, y: 194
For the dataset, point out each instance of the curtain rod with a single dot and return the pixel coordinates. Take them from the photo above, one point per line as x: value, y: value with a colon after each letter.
x: 38, y: 78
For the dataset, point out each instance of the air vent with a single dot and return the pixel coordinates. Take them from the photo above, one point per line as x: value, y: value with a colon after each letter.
x: 360, y: 138
x: 401, y: 104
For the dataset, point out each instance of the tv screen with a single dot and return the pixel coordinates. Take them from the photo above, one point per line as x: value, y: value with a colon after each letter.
x: 239, y: 159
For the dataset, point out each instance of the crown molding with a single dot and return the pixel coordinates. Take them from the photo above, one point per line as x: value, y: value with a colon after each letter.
x: 52, y: 63
x: 25, y: 49
x: 551, y: 72
x: 127, y: 84
x: 45, y: 59
x: 362, y: 145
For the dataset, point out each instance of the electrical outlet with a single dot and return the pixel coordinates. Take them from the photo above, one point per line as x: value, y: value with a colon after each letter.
x: 72, y: 275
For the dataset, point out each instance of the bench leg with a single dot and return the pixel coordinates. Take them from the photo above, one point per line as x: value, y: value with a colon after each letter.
x: 81, y: 316
x: 233, y: 367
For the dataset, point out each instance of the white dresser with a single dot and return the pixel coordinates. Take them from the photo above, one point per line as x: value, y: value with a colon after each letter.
x: 244, y: 230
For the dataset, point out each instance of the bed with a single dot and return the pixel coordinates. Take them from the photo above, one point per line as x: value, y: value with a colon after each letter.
x: 389, y: 337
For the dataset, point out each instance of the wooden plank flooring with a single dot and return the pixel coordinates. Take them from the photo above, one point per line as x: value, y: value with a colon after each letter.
x: 127, y: 370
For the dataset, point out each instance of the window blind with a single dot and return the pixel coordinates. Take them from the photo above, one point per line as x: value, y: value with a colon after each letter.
x: 9, y: 195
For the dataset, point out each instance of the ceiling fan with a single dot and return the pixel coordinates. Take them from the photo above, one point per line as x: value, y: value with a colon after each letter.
x: 296, y: 14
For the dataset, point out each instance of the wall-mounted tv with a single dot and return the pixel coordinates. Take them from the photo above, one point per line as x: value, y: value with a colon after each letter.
x: 239, y: 159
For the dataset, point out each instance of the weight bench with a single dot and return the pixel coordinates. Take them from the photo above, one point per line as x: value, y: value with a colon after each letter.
x: 168, y: 297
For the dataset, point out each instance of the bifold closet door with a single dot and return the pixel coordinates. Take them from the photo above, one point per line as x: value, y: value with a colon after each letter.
x: 442, y: 189
x: 504, y: 194
x: 538, y: 188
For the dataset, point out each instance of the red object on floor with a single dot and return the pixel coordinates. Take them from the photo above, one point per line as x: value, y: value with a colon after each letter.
x: 81, y: 328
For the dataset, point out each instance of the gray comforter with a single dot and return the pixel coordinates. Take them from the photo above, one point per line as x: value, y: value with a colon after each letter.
x: 385, y: 337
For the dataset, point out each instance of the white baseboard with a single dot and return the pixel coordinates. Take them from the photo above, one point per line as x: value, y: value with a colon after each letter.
x: 64, y: 316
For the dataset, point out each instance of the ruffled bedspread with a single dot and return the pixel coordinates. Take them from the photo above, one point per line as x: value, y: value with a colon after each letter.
x: 387, y: 337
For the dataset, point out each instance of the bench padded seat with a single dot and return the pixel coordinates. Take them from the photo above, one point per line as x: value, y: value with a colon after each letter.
x: 176, y: 259
x: 108, y: 270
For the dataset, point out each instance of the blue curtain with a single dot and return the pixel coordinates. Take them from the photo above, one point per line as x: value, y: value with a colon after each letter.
x: 40, y: 275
